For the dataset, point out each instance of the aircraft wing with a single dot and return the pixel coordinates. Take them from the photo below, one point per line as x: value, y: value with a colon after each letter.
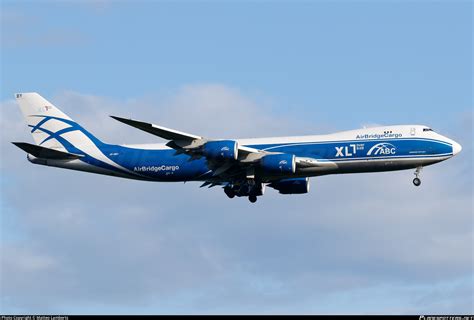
x: 179, y: 140
x: 165, y: 133
x: 226, y: 158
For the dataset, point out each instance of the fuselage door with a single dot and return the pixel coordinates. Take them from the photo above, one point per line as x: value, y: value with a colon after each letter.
x: 412, y: 131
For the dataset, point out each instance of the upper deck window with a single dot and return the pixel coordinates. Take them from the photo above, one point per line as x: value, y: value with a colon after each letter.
x: 427, y: 129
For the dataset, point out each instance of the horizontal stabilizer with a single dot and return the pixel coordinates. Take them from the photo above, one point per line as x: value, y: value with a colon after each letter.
x: 165, y: 133
x: 45, y: 153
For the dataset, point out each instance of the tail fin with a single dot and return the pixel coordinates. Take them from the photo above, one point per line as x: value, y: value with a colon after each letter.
x: 50, y: 127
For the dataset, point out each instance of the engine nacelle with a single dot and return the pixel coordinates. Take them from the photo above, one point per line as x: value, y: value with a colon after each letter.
x: 291, y: 186
x: 221, y: 150
x: 279, y: 163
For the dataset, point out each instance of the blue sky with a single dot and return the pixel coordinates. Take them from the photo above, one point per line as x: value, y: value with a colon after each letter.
x: 373, y: 58
x: 238, y: 69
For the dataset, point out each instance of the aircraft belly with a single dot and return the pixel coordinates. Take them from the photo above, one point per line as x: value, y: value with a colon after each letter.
x: 79, y: 165
x: 371, y: 165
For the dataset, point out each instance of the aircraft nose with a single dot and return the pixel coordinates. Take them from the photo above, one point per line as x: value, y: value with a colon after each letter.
x: 456, y: 148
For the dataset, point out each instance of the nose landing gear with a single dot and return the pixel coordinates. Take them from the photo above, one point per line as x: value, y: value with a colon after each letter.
x: 417, y: 181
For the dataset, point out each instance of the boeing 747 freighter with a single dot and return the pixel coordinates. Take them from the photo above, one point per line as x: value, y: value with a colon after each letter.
x: 242, y: 167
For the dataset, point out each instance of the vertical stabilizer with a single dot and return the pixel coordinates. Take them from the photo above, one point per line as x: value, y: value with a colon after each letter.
x: 49, y: 126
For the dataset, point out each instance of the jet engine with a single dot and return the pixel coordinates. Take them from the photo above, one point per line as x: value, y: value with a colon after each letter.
x: 291, y: 186
x: 278, y: 163
x: 221, y: 150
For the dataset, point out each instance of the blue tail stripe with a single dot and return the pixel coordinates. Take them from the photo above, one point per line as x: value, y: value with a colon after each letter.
x: 66, y: 144
x: 75, y: 125
x: 86, y: 158
x: 39, y: 124
x: 58, y: 133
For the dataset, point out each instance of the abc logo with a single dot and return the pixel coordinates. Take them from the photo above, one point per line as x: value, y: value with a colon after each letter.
x: 383, y: 148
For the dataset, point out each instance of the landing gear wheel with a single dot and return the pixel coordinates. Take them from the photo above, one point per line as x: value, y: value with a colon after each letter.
x: 417, y: 182
x: 253, y: 199
x: 229, y: 192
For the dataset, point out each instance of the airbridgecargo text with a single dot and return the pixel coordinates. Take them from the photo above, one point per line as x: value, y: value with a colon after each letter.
x: 155, y: 168
x: 378, y: 135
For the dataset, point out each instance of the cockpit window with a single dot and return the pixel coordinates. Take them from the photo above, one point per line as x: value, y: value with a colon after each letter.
x: 427, y: 129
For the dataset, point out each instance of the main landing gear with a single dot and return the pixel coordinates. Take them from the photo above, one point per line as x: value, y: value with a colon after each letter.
x: 229, y: 192
x: 417, y: 181
x: 248, y: 188
x: 253, y: 198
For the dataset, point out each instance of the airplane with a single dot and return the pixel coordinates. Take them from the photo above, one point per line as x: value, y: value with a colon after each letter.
x: 242, y: 167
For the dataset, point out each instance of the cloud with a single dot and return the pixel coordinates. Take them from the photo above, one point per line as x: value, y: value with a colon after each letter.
x: 22, y: 30
x: 205, y: 109
x: 83, y: 243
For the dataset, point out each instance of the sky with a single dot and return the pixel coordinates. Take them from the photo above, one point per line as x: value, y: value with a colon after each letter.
x: 74, y: 242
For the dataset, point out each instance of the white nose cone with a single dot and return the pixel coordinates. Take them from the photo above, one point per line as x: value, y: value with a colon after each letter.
x: 456, y: 148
